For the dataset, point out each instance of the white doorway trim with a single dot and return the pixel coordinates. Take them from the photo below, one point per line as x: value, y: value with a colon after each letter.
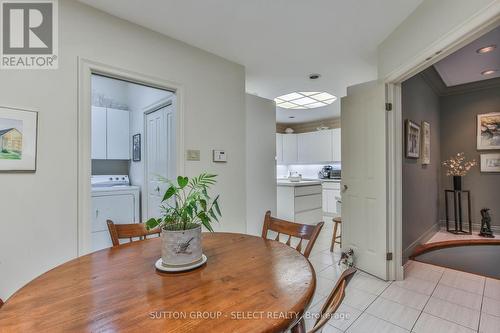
x: 86, y: 68
x: 462, y: 35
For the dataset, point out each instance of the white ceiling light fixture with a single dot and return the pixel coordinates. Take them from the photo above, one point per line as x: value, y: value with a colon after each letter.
x: 486, y: 49
x: 305, y: 100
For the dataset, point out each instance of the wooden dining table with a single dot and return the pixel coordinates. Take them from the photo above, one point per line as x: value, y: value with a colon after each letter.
x: 248, y: 284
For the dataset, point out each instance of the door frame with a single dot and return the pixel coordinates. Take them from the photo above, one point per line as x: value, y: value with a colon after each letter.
x: 86, y: 68
x: 462, y: 35
x: 164, y: 102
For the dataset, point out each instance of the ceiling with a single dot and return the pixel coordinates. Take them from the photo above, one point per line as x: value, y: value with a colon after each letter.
x: 465, y: 65
x: 279, y: 42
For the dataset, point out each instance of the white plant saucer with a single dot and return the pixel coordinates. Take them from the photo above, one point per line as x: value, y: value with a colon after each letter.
x: 180, y: 268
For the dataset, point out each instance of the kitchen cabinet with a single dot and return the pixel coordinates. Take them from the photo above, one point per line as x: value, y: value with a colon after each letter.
x: 299, y: 203
x: 336, y: 144
x: 279, y: 148
x: 290, y: 148
x: 110, y: 134
x: 118, y: 134
x: 315, y: 147
x: 331, y: 193
x: 98, y: 133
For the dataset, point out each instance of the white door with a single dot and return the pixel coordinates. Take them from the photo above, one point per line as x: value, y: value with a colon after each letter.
x: 160, y: 154
x: 118, y: 134
x: 364, y: 216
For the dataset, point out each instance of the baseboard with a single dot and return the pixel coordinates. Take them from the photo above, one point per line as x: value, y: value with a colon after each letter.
x: 421, y: 240
x: 475, y: 226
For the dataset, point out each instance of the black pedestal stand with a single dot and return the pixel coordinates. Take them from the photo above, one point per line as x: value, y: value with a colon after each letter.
x: 457, y: 210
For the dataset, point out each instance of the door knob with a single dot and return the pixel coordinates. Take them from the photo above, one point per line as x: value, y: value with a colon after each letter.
x: 346, y: 188
x: 158, y: 189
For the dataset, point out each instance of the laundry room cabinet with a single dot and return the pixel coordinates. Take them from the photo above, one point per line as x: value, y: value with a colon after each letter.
x: 110, y: 134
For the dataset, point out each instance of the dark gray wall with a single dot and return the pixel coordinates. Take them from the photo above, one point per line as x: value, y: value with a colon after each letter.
x: 110, y: 167
x: 458, y: 133
x: 420, y: 182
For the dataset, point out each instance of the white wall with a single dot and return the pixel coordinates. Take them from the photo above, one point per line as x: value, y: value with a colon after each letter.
x: 430, y: 22
x: 39, y: 210
x: 139, y: 98
x: 260, y: 161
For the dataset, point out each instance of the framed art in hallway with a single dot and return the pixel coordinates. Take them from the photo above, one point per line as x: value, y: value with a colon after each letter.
x: 490, y: 162
x: 18, y: 136
x: 136, y: 148
x: 488, y: 131
x: 426, y: 143
x: 412, y: 139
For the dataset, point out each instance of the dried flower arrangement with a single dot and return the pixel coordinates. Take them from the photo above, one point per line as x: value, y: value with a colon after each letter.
x: 458, y: 166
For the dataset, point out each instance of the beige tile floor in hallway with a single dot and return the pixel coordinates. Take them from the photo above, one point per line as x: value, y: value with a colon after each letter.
x: 430, y: 300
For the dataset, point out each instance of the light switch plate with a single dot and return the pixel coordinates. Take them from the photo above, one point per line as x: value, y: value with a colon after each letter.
x: 220, y: 156
x: 192, y: 155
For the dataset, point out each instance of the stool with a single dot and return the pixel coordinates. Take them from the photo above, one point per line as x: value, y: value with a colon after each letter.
x: 336, y: 221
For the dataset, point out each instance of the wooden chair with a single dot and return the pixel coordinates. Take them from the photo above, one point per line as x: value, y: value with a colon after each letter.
x: 302, y: 231
x: 336, y: 221
x: 331, y: 305
x: 130, y: 231
x: 1, y: 302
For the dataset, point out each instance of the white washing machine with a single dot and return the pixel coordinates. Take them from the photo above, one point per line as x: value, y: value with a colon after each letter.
x: 113, y: 198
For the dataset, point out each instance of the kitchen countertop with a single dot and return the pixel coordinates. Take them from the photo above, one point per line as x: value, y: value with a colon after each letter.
x: 304, y: 182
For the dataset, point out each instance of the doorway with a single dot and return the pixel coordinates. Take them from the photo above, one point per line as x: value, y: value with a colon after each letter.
x: 123, y: 129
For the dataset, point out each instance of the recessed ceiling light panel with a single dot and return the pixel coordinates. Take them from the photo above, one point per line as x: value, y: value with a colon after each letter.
x: 305, y: 100
x: 489, y: 72
x: 486, y: 49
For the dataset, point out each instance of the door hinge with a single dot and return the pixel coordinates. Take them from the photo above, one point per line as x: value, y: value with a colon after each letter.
x: 389, y: 256
x: 388, y: 106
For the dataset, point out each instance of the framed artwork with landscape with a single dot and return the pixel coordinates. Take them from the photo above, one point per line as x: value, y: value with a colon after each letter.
x: 490, y: 162
x: 412, y: 139
x: 488, y: 131
x: 18, y: 136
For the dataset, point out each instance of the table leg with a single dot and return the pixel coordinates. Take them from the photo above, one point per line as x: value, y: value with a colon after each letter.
x: 455, y: 206
x: 460, y: 225
x: 300, y: 327
x: 446, y: 211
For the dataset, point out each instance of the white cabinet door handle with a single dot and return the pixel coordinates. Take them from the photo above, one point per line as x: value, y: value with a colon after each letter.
x: 97, y: 213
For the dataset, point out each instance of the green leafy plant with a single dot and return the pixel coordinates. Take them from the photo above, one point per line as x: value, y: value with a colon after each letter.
x: 187, y: 204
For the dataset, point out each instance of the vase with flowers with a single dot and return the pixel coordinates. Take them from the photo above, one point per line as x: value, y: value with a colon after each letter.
x: 457, y: 167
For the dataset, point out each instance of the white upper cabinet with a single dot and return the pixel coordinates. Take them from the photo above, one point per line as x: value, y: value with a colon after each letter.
x: 98, y: 133
x: 279, y: 148
x: 118, y: 130
x: 110, y: 134
x: 337, y: 154
x: 290, y: 148
x: 315, y: 147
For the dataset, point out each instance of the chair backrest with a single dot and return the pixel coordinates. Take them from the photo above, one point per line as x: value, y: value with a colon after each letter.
x: 130, y: 231
x: 292, y: 229
x: 333, y: 302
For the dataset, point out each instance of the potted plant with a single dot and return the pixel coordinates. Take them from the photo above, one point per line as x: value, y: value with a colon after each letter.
x: 186, y: 206
x: 458, y: 167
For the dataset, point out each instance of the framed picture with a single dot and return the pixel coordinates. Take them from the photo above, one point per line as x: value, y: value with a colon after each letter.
x: 136, y: 147
x: 412, y: 143
x: 426, y: 143
x: 18, y: 136
x: 488, y: 131
x: 490, y: 162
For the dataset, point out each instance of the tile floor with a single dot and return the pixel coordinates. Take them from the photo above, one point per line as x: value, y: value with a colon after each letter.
x: 430, y: 299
